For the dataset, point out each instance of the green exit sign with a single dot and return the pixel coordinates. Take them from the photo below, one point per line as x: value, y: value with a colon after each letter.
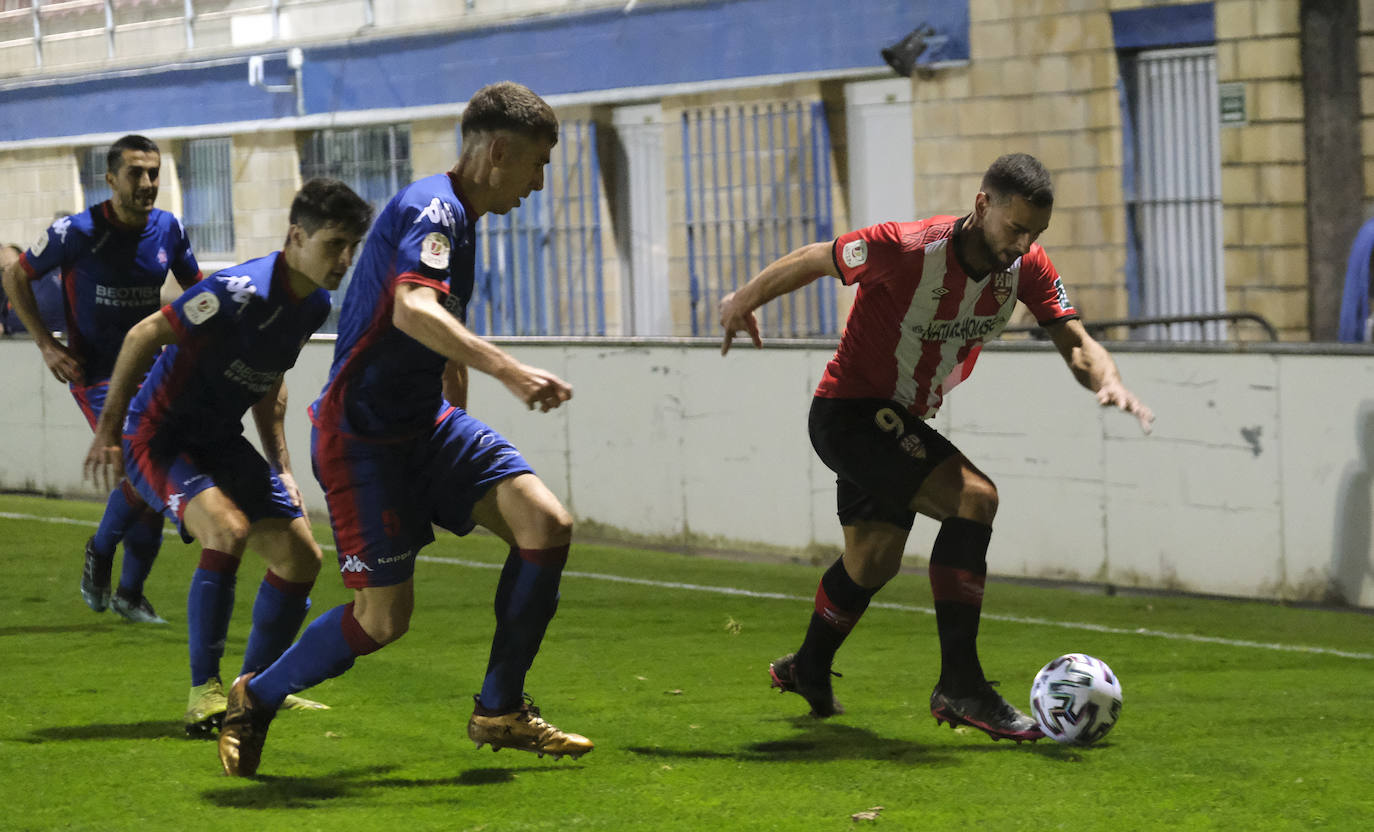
x: 1232, y: 100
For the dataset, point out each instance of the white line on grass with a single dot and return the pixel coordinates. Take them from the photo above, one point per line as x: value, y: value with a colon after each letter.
x: 778, y: 596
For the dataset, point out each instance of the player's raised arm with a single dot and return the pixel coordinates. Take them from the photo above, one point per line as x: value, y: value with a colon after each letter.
x: 786, y: 274
x: 104, y: 462
x: 420, y: 314
x: 1094, y: 368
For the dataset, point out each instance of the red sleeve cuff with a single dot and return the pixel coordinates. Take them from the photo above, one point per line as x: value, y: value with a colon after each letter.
x: 413, y: 277
x: 177, y: 325
x: 27, y: 266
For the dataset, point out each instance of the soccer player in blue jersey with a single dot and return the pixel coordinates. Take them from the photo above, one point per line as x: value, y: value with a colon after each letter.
x: 396, y: 451
x: 229, y: 340
x: 114, y: 258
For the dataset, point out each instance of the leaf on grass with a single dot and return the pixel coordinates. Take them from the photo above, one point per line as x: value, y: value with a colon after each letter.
x: 732, y: 626
x: 642, y: 678
x: 868, y: 814
x: 331, y: 735
x: 674, y: 692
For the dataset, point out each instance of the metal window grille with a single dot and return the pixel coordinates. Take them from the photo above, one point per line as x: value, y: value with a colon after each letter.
x: 91, y: 163
x: 373, y: 161
x: 1175, y: 210
x: 207, y: 203
x: 539, y: 267
x: 757, y: 182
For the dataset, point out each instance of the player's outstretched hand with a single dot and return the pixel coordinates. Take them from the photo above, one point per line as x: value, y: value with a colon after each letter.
x: 104, y: 463
x: 1115, y: 394
x: 63, y: 364
x: 537, y: 388
x: 736, y: 317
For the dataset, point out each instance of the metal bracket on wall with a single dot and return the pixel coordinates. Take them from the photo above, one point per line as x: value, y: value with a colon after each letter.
x: 295, y: 59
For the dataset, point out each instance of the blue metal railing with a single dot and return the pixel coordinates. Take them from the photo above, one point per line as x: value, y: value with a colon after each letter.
x: 539, y: 267
x: 756, y: 182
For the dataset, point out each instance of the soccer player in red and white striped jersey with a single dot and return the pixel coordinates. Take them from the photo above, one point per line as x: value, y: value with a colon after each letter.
x: 930, y: 293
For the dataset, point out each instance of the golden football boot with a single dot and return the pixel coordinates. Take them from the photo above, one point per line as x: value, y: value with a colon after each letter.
x: 244, y: 731
x: 526, y: 730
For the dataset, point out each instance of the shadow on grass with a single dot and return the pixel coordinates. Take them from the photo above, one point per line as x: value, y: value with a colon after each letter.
x: 151, y: 730
x: 818, y: 741
x: 275, y: 792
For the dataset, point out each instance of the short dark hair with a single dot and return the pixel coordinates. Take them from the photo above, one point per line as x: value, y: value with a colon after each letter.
x: 322, y: 202
x: 1019, y: 174
x: 133, y: 141
x: 510, y: 106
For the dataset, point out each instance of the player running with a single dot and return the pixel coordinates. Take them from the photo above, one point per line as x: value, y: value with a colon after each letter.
x: 395, y: 450
x: 114, y: 258
x: 929, y: 294
x: 230, y: 339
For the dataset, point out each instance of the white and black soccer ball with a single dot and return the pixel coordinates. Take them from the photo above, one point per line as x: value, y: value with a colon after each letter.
x: 1076, y: 699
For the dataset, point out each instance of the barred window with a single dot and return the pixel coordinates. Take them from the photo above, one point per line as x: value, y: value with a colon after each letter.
x: 374, y: 161
x: 538, y: 267
x: 91, y: 162
x: 207, y: 204
x: 756, y: 185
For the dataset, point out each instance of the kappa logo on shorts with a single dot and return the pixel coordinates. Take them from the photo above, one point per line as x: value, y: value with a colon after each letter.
x: 352, y: 564
x: 174, y: 502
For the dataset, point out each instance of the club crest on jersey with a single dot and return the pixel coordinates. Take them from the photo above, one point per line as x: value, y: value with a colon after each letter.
x: 201, y: 308
x: 855, y: 253
x: 913, y: 445
x: 434, y: 250
x: 439, y: 212
x: 1001, y: 288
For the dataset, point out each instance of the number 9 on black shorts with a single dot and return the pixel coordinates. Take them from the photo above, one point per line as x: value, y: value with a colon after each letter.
x: 880, y: 453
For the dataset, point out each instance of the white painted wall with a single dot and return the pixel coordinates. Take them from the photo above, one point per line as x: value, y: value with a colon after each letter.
x: 1258, y: 480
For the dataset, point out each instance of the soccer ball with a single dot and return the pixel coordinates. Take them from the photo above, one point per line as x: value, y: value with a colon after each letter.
x: 1076, y: 699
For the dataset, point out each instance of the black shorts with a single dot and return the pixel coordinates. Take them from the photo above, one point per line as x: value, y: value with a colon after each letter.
x: 880, y: 453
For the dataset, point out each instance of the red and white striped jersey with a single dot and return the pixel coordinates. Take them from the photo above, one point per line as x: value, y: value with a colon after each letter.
x: 918, y: 321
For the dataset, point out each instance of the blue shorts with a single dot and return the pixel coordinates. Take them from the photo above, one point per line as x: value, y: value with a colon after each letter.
x: 167, y: 476
x: 385, y: 497
x: 91, y: 400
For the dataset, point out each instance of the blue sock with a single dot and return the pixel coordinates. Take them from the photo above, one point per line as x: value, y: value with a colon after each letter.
x: 120, y: 513
x: 326, y: 649
x: 209, y: 605
x: 526, y: 599
x: 280, y: 608
x: 141, y: 544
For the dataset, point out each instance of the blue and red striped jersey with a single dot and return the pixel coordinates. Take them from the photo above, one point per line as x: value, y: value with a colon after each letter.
x: 238, y: 331
x: 112, y: 276
x: 384, y: 384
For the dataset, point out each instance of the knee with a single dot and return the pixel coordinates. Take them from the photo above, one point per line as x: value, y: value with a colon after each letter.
x: 554, y: 528
x: 229, y: 533
x: 978, y: 500
x: 385, y: 626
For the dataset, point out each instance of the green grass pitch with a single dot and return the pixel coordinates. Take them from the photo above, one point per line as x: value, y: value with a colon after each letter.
x: 1225, y: 724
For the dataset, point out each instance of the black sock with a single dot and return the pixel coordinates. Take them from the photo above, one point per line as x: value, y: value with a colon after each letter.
x: 958, y: 571
x: 839, y: 604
